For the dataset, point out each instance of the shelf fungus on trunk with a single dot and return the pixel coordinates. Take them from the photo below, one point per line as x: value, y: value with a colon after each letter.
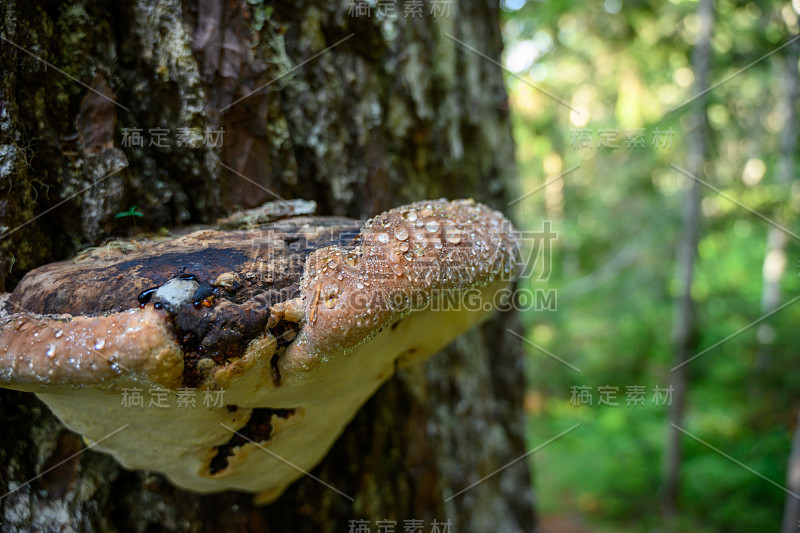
x: 213, y: 346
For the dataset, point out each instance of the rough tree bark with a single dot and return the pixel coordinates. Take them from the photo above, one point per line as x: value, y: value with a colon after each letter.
x: 395, y: 112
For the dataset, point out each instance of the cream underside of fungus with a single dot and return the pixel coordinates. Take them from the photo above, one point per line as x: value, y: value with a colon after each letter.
x: 415, y: 278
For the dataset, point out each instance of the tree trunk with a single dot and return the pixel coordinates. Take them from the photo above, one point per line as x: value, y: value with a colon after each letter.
x: 395, y: 111
x: 684, y: 334
x: 775, y: 261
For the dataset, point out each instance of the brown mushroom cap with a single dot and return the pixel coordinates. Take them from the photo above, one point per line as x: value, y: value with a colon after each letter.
x: 49, y: 351
x: 155, y: 308
x: 297, y: 321
x: 402, y: 261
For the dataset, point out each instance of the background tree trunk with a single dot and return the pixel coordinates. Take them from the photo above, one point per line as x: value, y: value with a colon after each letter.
x: 684, y: 329
x: 775, y: 261
x: 393, y: 113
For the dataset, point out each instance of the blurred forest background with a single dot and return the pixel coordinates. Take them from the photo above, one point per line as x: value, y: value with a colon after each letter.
x: 611, y: 166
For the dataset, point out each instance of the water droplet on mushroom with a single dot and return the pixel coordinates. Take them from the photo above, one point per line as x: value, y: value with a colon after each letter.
x: 51, y: 350
x: 403, y: 247
x: 146, y: 295
x: 401, y: 235
x: 383, y: 237
x: 432, y: 226
x: 411, y: 216
x: 99, y: 344
x: 58, y: 333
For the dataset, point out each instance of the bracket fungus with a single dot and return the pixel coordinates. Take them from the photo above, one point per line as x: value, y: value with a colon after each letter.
x: 212, y: 347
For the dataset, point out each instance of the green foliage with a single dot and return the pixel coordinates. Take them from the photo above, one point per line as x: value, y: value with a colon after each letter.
x: 132, y: 212
x: 625, y: 67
